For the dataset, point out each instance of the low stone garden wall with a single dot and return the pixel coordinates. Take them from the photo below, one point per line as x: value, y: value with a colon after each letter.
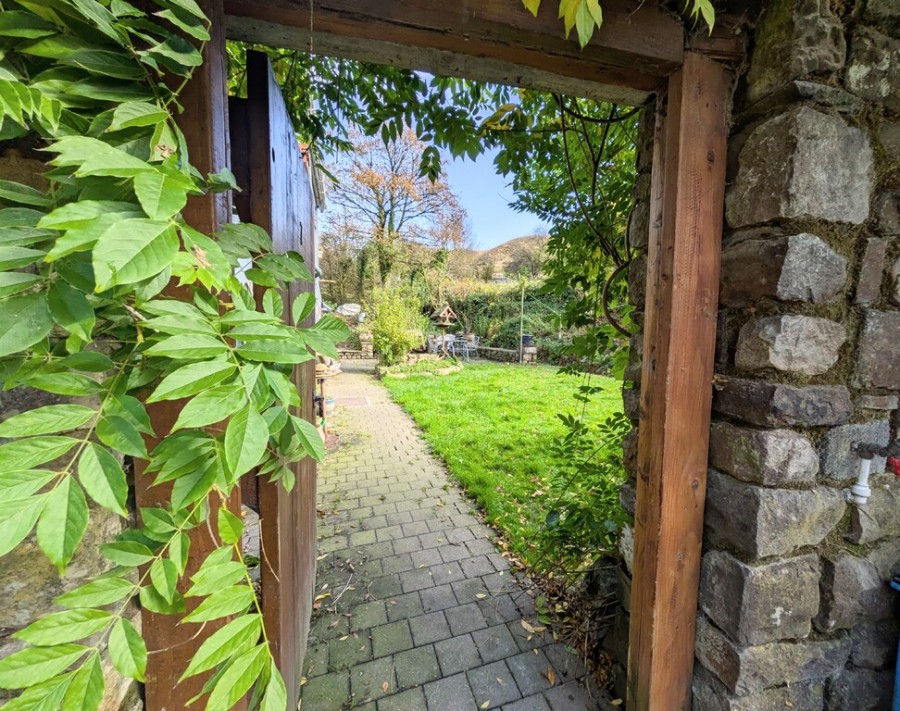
x: 508, y: 355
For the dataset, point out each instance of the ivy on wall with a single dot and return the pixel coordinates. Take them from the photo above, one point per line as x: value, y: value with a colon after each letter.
x: 85, y: 313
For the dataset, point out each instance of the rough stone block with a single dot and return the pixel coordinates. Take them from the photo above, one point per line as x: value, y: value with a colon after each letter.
x: 880, y: 517
x: 871, y: 271
x: 889, y: 135
x: 616, y: 641
x: 799, y: 91
x: 885, y: 556
x: 777, y: 405
x: 762, y: 522
x: 884, y: 11
x: 803, y: 164
x: 860, y: 690
x: 887, y: 213
x: 875, y: 644
x: 746, y: 670
x: 755, y: 604
x: 895, y: 283
x: 878, y: 402
x: 635, y: 358
x: 710, y: 694
x: 839, y: 461
x: 629, y: 453
x: 873, y: 69
x: 878, y: 364
x: 631, y: 403
x: 637, y: 281
x: 794, y: 39
x: 788, y: 268
x: 852, y: 593
x: 789, y: 343
x: 628, y: 498
x: 626, y: 547
x: 770, y: 457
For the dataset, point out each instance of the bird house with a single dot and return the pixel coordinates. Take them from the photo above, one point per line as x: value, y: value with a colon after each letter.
x: 444, y: 316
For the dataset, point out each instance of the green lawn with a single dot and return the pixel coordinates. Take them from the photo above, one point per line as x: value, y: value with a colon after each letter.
x: 492, y: 424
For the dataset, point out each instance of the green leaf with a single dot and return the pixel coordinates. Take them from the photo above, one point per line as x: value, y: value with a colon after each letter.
x: 18, y: 257
x: 153, y: 601
x: 81, y: 213
x: 194, y: 28
x: 275, y: 698
x: 218, y: 571
x: 122, y: 435
x: 273, y: 304
x: 164, y: 576
x: 71, y: 310
x: 194, y: 486
x: 96, y: 593
x: 21, y: 484
x: 532, y: 6
x: 36, y: 664
x: 191, y: 7
x: 223, y: 603
x: 88, y: 361
x: 127, y: 553
x: 189, y: 347
x: 191, y: 379
x: 103, y: 63
x: 23, y: 194
x: 46, y: 420
x: 179, y: 547
x: 127, y: 650
x: 18, y: 524
x: 234, y: 638
x: 137, y: 113
x: 245, y: 440
x: 24, y: 320
x: 303, y: 306
x: 133, y: 250
x: 309, y: 437
x: 274, y: 351
x: 85, y: 693
x: 63, y: 522
x: 230, y: 527
x: 91, y: 156
x: 63, y: 627
x: 100, y: 17
x: 28, y: 453
x: 593, y: 7
x: 131, y: 409
x: 24, y: 24
x: 64, y: 383
x: 211, y: 406
x: 46, y: 696
x: 102, y: 477
x: 238, y: 678
x: 160, y: 195
x: 15, y: 282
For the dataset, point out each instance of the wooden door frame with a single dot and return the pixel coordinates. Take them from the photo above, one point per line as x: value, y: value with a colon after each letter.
x: 635, y: 54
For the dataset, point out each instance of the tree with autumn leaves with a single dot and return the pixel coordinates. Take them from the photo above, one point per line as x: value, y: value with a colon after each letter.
x: 383, y: 211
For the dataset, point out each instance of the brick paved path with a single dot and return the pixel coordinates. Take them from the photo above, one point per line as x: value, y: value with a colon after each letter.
x: 423, y: 612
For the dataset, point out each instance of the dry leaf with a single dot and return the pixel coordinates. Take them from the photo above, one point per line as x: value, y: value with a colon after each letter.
x: 322, y: 597
x: 616, y: 702
x: 341, y: 639
x: 485, y: 705
x: 385, y: 686
x: 303, y: 681
x: 480, y: 596
x: 551, y: 676
x: 527, y: 627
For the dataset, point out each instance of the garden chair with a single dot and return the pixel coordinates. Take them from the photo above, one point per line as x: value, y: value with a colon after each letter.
x: 470, y: 348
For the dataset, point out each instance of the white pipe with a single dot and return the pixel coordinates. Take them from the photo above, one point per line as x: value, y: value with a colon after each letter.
x: 860, y: 491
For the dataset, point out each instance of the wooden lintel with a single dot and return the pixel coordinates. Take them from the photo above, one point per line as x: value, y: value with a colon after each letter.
x: 497, y: 40
x: 687, y: 199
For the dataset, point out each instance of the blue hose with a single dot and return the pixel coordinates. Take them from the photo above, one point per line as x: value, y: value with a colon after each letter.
x: 895, y: 583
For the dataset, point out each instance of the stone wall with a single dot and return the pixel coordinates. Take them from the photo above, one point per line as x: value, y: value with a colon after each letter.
x: 508, y: 355
x: 795, y: 610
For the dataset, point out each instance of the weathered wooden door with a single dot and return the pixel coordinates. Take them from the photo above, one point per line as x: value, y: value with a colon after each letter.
x: 277, y: 196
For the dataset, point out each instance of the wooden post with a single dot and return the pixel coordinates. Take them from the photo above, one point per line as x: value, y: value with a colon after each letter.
x: 204, y: 122
x: 687, y: 197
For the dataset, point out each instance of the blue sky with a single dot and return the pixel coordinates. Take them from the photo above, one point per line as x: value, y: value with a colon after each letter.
x: 486, y: 198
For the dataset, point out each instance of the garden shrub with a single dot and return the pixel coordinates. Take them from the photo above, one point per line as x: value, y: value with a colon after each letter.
x: 397, y: 324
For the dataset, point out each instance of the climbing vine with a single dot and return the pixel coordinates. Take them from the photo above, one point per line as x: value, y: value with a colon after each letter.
x: 91, y: 256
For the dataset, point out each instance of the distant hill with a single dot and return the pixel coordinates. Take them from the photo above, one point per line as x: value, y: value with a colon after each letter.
x: 504, y: 260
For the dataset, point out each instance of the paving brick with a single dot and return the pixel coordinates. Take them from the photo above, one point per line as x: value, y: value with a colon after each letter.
x: 571, y: 695
x: 348, y: 651
x: 426, y: 558
x: 403, y: 606
x: 529, y: 703
x: 465, y: 618
x: 367, y: 615
x: 568, y: 665
x: 492, y: 684
x: 477, y: 566
x: 526, y: 640
x: 418, y: 579
x: 390, y: 638
x: 457, y: 654
x: 416, y: 667
x: 469, y: 590
x: 450, y: 694
x: 385, y: 586
x: 410, y: 700
x: 438, y: 598
x: 532, y: 672
x: 367, y: 681
x: 495, y: 643
x: 315, y: 662
x: 499, y: 608
x: 446, y: 573
x: 429, y: 628
x: 326, y: 693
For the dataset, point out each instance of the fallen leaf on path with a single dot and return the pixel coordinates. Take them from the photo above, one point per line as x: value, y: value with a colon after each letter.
x: 385, y: 686
x: 485, y: 705
x: 551, y: 676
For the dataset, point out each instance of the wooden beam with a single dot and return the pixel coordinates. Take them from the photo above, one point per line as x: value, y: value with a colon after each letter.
x: 687, y: 197
x: 170, y: 644
x: 489, y: 40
